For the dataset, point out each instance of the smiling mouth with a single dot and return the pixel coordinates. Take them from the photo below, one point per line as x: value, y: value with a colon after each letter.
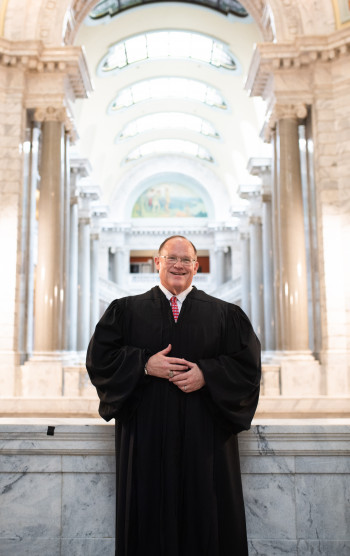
x: 178, y: 273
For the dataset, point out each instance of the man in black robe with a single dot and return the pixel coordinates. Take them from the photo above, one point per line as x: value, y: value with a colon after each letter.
x: 180, y: 391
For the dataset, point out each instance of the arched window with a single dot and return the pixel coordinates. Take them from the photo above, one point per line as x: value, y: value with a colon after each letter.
x: 168, y: 120
x: 169, y: 44
x: 110, y: 8
x: 167, y: 87
x: 169, y: 146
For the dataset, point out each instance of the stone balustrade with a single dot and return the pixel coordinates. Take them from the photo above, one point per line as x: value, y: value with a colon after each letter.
x: 57, y: 480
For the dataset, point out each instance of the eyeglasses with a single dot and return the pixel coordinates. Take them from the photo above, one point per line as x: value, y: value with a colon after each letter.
x: 185, y: 261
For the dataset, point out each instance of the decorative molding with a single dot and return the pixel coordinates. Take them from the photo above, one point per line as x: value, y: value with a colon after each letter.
x: 257, y: 9
x: 169, y: 229
x: 91, y: 192
x: 269, y: 58
x: 249, y: 191
x: 50, y: 114
x: 80, y: 166
x: 34, y: 57
x: 296, y: 438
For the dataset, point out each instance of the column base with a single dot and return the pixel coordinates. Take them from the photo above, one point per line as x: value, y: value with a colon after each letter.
x: 336, y: 372
x: 300, y: 374
x: 54, y: 374
x: 9, y: 364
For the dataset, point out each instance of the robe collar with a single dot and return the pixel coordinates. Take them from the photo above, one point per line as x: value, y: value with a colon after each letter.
x: 181, y: 296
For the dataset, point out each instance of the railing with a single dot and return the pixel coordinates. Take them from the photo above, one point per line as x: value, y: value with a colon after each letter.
x: 138, y: 283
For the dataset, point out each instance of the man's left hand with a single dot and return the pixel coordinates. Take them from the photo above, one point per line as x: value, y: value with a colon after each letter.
x: 189, y: 381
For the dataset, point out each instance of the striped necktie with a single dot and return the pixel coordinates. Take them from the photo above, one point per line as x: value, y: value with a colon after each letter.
x: 174, y: 308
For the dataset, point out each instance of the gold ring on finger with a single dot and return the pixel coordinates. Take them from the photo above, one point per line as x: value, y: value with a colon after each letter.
x: 185, y: 388
x: 171, y: 374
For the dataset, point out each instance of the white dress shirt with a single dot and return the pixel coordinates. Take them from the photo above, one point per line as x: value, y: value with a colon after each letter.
x: 180, y: 297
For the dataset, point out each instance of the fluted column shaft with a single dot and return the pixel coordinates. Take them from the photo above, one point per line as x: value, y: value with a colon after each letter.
x: 83, y: 284
x: 220, y: 265
x: 49, y: 298
x: 94, y: 273
x: 245, y: 246
x: 256, y: 277
x: 73, y: 276
x: 269, y: 300
x: 291, y: 238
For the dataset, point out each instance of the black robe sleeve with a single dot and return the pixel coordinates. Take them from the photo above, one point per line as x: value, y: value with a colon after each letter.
x: 233, y: 378
x: 116, y: 370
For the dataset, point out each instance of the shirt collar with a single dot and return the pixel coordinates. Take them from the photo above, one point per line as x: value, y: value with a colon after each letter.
x: 181, y: 296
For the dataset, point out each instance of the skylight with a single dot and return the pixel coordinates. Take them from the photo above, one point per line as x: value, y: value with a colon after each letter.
x: 169, y: 146
x: 111, y: 8
x: 168, y: 120
x: 167, y: 44
x: 167, y: 87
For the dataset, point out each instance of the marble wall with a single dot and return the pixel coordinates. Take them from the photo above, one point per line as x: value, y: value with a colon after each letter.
x: 57, y: 492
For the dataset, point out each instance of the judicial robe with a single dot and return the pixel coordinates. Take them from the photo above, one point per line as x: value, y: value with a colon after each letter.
x: 179, y: 487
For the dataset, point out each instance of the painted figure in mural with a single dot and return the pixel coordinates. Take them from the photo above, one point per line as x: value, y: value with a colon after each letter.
x: 179, y: 370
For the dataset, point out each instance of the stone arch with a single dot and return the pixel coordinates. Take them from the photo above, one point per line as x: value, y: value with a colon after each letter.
x: 56, y: 22
x: 206, y: 180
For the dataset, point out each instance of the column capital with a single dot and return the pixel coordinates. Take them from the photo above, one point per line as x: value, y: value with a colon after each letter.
x: 255, y: 220
x: 74, y: 199
x: 56, y: 114
x: 259, y: 166
x: 84, y: 220
x: 244, y: 234
x: 80, y: 166
x: 280, y: 111
x: 89, y: 191
x: 249, y: 191
x: 266, y: 193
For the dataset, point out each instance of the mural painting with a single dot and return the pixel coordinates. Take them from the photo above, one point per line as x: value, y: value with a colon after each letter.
x: 169, y: 201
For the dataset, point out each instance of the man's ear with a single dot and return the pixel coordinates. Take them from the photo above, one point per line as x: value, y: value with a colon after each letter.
x: 156, y: 262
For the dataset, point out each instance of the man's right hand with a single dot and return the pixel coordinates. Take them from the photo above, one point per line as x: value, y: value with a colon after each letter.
x: 160, y: 365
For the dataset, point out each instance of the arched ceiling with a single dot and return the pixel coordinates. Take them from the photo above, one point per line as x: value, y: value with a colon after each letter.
x: 238, y: 126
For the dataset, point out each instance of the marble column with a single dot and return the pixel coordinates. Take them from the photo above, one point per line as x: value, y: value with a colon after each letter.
x: 275, y: 244
x: 300, y: 372
x: 49, y: 294
x: 291, y: 238
x: 220, y: 265
x: 79, y: 168
x: 256, y: 277
x: 103, y: 260
x: 66, y: 242
x: 29, y: 241
x: 94, y: 274
x: 73, y: 276
x: 261, y: 167
x: 87, y: 194
x: 269, y: 299
x: 246, y: 280
x: 83, y: 332
x: 121, y: 266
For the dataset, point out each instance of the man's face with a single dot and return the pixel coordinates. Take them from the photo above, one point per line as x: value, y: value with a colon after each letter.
x: 176, y: 277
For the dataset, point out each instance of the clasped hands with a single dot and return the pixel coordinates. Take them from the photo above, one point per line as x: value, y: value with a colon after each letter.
x: 173, y: 369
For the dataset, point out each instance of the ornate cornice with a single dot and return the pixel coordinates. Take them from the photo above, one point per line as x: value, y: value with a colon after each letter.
x: 33, y: 57
x: 269, y: 58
